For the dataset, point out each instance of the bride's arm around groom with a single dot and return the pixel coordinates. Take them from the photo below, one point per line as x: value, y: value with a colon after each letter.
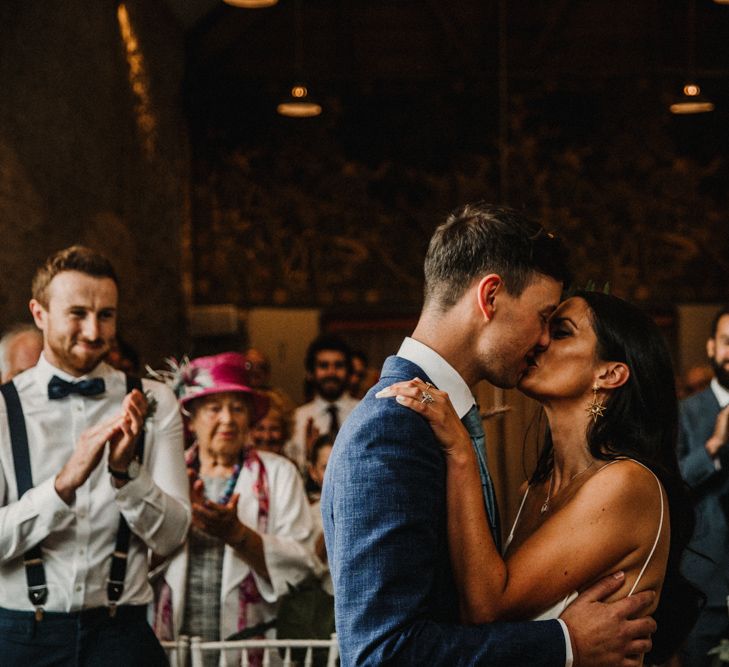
x: 492, y: 279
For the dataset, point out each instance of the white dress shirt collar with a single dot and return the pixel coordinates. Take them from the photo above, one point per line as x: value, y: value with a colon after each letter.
x: 45, y: 370
x: 322, y: 404
x: 441, y: 373
x: 721, y: 393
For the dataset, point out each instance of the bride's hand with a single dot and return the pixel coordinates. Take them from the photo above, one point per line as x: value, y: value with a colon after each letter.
x: 439, y: 412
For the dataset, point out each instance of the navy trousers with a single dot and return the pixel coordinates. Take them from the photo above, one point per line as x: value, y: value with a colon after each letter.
x: 89, y: 638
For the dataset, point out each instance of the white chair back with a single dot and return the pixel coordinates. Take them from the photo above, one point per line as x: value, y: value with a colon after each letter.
x: 276, y: 652
x: 177, y: 651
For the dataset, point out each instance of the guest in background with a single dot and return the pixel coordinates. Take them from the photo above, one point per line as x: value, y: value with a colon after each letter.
x: 258, y: 366
x: 697, y: 378
x: 704, y: 460
x: 20, y: 348
x: 328, y: 365
x: 251, y: 522
x: 272, y: 431
x: 358, y: 374
x: 317, y: 466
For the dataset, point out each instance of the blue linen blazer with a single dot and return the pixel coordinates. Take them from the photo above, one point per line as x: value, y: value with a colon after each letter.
x: 384, y: 512
x: 709, y: 569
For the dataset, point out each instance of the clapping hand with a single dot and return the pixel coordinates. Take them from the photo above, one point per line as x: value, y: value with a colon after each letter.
x: 120, y: 432
x: 123, y: 442
x: 215, y: 519
x: 720, y: 436
x: 311, y: 436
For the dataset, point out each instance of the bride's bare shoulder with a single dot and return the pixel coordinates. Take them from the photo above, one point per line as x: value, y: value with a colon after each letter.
x: 626, y: 484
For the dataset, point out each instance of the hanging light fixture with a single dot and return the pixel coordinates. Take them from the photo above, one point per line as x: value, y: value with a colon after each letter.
x: 722, y: 2
x: 691, y: 100
x: 251, y: 4
x: 298, y: 103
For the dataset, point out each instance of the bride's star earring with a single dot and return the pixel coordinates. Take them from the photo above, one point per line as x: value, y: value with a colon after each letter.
x: 596, y: 408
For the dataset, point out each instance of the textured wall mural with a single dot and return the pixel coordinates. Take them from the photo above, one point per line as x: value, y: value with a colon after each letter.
x: 299, y: 222
x: 83, y: 161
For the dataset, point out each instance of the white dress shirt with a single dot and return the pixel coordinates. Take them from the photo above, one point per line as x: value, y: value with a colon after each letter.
x: 317, y: 410
x: 78, y: 539
x: 722, y: 394
x: 446, y: 378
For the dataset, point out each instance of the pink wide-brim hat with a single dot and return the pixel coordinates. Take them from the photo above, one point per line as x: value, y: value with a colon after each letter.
x: 218, y: 374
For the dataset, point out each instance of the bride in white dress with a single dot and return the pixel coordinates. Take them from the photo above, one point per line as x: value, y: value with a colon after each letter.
x: 606, y: 495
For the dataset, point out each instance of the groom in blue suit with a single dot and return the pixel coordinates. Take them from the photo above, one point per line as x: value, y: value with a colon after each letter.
x: 704, y: 459
x: 492, y: 278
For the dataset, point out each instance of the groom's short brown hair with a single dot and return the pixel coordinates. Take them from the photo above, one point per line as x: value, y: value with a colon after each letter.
x: 478, y: 239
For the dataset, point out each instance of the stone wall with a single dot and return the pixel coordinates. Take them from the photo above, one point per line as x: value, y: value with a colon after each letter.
x: 94, y: 150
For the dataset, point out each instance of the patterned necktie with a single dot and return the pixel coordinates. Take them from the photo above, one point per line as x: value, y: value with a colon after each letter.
x: 472, y: 422
x: 58, y: 388
x: 333, y: 411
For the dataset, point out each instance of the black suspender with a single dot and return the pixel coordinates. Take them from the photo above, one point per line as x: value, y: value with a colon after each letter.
x: 33, y: 559
x: 118, y: 569
x: 35, y: 574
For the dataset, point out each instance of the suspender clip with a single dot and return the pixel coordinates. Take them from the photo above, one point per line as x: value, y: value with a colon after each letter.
x: 39, y: 613
x: 112, y: 609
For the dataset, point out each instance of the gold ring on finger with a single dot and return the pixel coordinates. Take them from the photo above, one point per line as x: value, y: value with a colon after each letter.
x: 426, y: 397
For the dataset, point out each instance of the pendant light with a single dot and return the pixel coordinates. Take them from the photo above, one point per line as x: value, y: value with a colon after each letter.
x: 691, y: 100
x: 298, y: 103
x: 251, y: 4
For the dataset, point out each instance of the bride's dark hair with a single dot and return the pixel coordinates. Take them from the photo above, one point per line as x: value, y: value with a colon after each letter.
x: 641, y: 423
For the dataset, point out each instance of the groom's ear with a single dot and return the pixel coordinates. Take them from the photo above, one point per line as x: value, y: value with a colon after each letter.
x: 615, y: 374
x: 488, y: 287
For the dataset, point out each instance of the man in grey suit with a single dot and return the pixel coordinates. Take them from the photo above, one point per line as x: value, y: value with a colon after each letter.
x: 492, y: 279
x: 704, y: 460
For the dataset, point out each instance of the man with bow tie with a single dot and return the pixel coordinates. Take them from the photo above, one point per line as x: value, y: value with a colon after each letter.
x: 91, y: 477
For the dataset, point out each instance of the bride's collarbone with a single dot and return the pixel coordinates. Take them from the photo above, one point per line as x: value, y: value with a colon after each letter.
x: 559, y: 497
x: 535, y: 515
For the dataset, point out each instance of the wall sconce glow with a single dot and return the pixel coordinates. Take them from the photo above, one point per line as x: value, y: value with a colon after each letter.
x: 298, y: 104
x: 251, y: 4
x: 691, y: 101
x: 139, y: 83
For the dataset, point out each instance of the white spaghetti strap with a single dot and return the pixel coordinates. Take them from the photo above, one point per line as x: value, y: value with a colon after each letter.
x: 516, y: 520
x: 658, y: 536
x: 660, y: 522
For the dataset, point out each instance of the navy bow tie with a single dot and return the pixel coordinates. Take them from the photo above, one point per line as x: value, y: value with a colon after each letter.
x: 58, y: 388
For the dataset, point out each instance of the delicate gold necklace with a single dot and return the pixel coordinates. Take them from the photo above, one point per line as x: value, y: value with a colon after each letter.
x: 545, y: 507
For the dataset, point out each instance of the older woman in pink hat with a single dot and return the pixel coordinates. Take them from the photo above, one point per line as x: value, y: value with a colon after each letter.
x: 250, y: 515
